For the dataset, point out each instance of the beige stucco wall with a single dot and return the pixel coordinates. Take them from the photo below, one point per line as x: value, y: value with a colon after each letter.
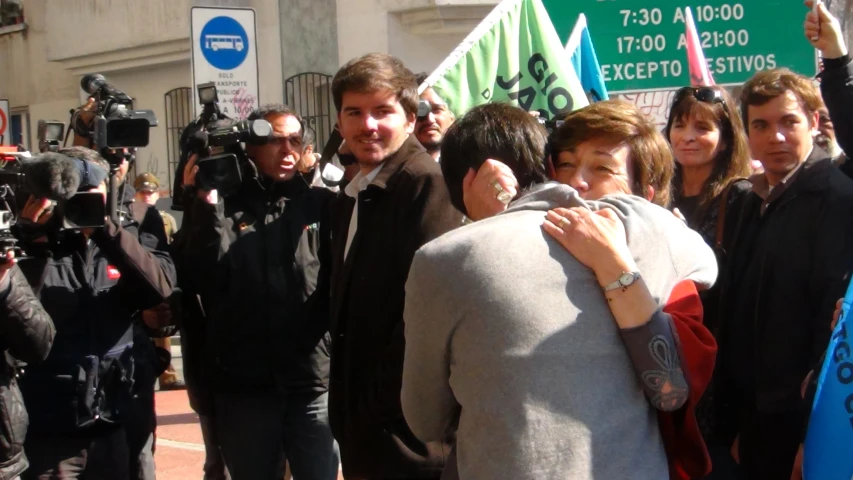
x: 28, y: 80
x: 115, y: 25
x: 309, y: 37
x: 421, y: 53
x: 366, y: 26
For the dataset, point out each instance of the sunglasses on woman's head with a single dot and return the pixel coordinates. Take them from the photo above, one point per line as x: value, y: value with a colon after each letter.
x: 703, y: 94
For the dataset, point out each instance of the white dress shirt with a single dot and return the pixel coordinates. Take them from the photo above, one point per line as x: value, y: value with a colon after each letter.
x: 356, y: 186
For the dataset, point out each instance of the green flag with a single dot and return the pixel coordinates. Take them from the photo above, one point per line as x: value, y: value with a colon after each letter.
x: 514, y: 55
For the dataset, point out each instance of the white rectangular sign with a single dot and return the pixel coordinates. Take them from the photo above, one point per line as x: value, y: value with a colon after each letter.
x: 5, y: 123
x: 225, y: 52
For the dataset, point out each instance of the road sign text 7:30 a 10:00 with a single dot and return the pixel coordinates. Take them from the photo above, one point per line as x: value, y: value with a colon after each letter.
x: 703, y: 13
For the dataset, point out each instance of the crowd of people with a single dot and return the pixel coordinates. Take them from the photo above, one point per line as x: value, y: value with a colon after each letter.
x: 479, y: 298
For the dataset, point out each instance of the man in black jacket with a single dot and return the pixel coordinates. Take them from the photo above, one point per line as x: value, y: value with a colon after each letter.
x: 142, y: 421
x: 395, y: 204
x: 791, y: 260
x: 26, y: 334
x: 92, y: 282
x: 258, y: 260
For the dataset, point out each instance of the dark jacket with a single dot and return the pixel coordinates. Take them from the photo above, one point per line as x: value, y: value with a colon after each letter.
x: 93, y: 291
x: 789, y: 266
x: 258, y: 260
x: 26, y: 333
x: 193, y: 322
x: 836, y: 87
x: 405, y: 206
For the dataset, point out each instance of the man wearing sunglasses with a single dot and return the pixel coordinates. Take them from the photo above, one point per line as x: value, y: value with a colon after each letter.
x: 790, y: 261
x: 257, y: 260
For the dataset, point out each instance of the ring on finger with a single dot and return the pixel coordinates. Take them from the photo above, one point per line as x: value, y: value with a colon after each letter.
x: 564, y: 223
x: 502, y: 195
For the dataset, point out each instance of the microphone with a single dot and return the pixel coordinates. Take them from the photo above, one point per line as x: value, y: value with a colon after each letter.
x: 51, y: 175
x: 95, y: 82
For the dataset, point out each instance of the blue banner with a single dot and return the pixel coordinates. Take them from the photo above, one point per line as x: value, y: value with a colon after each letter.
x: 828, y: 450
x: 585, y: 61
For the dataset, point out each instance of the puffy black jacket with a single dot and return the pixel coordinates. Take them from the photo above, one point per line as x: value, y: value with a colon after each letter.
x: 259, y: 261
x: 93, y: 290
x: 26, y: 333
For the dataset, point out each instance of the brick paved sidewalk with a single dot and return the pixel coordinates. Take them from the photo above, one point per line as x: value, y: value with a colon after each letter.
x: 180, y: 449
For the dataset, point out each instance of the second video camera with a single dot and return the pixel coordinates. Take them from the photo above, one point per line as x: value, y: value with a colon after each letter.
x: 218, y: 143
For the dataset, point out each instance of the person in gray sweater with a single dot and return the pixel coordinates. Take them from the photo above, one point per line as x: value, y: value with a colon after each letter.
x: 511, y: 341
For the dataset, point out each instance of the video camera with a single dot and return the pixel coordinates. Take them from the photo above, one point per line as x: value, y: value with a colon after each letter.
x: 217, y: 140
x: 117, y: 124
x: 49, y: 175
x: 550, y: 125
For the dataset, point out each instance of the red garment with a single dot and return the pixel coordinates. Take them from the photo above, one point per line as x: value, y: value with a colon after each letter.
x: 685, y: 450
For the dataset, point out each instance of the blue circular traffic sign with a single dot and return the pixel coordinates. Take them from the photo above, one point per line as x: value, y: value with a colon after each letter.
x: 224, y: 43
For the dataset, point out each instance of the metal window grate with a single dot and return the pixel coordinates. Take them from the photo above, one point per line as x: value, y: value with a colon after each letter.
x: 310, y: 94
x: 179, y: 113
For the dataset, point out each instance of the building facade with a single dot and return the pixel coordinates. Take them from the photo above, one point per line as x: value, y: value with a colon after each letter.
x: 144, y: 49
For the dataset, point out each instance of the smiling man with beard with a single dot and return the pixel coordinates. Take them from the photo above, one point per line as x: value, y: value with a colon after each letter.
x: 397, y: 202
x: 430, y: 130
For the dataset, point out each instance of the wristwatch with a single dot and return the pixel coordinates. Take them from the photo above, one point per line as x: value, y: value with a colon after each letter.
x: 624, y: 281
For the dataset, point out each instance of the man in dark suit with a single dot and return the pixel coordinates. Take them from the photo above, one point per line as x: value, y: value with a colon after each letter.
x: 790, y: 262
x: 396, y: 203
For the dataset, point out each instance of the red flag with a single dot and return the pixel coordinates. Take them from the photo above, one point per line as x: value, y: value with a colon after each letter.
x: 700, y: 76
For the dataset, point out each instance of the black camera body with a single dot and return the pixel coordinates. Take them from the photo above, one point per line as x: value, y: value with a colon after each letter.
x: 117, y: 124
x: 72, y: 210
x: 218, y: 142
x: 221, y: 155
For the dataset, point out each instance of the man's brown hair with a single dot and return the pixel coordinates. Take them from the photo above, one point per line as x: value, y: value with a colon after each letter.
x: 769, y: 84
x: 375, y: 72
x: 651, y: 160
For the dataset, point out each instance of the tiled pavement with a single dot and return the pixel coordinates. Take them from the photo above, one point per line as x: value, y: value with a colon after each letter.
x: 179, y: 454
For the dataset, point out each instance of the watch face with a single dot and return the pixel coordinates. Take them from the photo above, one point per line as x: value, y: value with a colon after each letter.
x: 626, y: 278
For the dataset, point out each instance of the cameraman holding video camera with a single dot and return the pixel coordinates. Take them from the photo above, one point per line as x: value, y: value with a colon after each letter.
x: 93, y: 281
x: 258, y: 258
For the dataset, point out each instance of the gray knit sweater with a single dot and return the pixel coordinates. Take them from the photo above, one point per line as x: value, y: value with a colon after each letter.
x: 510, y: 340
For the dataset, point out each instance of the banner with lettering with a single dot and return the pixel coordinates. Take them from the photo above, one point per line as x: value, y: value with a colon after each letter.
x: 828, y: 450
x: 514, y: 55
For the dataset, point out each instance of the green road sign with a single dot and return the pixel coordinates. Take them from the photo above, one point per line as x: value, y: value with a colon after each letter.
x: 641, y: 46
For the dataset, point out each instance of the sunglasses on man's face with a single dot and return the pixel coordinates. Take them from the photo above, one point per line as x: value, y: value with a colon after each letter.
x: 703, y: 94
